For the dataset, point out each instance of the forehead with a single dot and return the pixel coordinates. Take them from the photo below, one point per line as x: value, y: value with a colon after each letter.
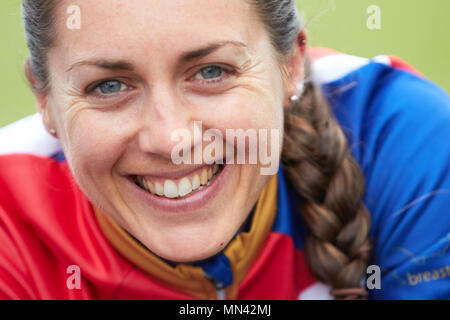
x: 154, y: 26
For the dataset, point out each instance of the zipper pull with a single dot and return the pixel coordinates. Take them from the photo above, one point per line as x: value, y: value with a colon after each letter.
x: 221, y: 292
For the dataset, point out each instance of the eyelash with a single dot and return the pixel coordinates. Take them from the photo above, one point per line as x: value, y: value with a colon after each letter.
x: 226, y: 72
x: 91, y: 90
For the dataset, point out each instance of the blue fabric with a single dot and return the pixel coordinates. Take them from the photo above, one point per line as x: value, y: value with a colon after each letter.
x: 398, y: 126
x: 59, y: 156
x: 288, y: 220
x: 219, y: 268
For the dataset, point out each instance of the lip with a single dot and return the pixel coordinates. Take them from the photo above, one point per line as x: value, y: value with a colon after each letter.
x: 176, y: 174
x: 191, y: 202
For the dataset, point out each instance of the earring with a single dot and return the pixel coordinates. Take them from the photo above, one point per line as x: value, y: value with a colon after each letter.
x: 294, y: 98
x: 302, y: 41
x: 52, y: 132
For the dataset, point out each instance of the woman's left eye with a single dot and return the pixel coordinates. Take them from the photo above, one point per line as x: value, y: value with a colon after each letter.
x: 110, y: 87
x: 209, y: 73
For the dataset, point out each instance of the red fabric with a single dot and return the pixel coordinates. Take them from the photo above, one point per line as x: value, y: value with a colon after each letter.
x: 399, y: 63
x: 317, y: 53
x: 47, y: 224
x: 280, y: 272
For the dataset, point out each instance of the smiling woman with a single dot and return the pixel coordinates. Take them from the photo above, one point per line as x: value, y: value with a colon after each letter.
x: 111, y: 199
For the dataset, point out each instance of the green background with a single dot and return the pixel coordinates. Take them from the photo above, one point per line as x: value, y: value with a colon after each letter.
x: 416, y: 30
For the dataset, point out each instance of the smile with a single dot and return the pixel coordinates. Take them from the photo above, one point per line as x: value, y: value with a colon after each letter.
x: 181, y: 187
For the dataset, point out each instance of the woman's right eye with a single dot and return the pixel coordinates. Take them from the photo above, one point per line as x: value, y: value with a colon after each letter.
x: 110, y: 87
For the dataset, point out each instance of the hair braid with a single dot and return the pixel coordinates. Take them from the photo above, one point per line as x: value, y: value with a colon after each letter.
x: 330, y: 184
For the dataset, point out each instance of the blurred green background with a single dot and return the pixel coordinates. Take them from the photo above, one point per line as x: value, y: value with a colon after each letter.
x: 416, y: 30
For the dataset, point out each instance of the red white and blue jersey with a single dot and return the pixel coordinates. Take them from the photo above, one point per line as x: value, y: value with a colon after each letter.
x: 398, y: 127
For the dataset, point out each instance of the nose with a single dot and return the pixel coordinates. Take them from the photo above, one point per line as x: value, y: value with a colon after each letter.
x: 165, y: 121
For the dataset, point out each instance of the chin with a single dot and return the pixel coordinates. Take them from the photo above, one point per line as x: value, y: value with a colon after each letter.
x: 186, y: 249
x: 189, y: 256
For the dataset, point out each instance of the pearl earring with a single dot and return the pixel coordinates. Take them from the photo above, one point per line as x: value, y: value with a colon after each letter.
x: 296, y: 97
x: 53, y: 132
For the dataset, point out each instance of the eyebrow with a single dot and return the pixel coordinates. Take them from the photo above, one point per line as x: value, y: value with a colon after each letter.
x: 185, y: 57
x: 203, y: 52
x: 104, y: 64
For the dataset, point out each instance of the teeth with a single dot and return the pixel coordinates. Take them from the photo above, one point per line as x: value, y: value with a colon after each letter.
x: 204, y: 178
x: 150, y: 186
x: 184, y: 187
x: 159, y: 189
x: 195, y: 182
x: 170, y: 189
x: 209, y: 173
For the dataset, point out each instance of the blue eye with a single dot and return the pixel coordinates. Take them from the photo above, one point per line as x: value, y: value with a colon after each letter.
x: 210, y: 72
x: 111, y: 87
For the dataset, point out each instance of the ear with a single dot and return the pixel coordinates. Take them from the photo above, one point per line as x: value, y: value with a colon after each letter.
x: 294, y: 67
x: 41, y: 96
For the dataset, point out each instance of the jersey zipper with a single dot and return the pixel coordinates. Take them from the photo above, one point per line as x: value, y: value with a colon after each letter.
x: 221, y: 292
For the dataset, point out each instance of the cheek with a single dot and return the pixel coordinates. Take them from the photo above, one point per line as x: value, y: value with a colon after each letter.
x: 92, y: 143
x: 240, y: 110
x: 260, y: 117
x: 255, y: 101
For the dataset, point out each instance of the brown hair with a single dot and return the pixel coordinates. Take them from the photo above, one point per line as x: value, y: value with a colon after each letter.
x: 315, y: 156
x: 322, y: 170
x: 40, y: 36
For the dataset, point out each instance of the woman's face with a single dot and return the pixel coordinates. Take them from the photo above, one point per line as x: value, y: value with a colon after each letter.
x: 137, y: 71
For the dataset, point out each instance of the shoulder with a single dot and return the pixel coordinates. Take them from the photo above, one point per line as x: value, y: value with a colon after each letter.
x: 391, y: 116
x: 31, y: 174
x: 36, y: 186
x: 27, y: 136
x: 41, y: 213
x: 398, y: 126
